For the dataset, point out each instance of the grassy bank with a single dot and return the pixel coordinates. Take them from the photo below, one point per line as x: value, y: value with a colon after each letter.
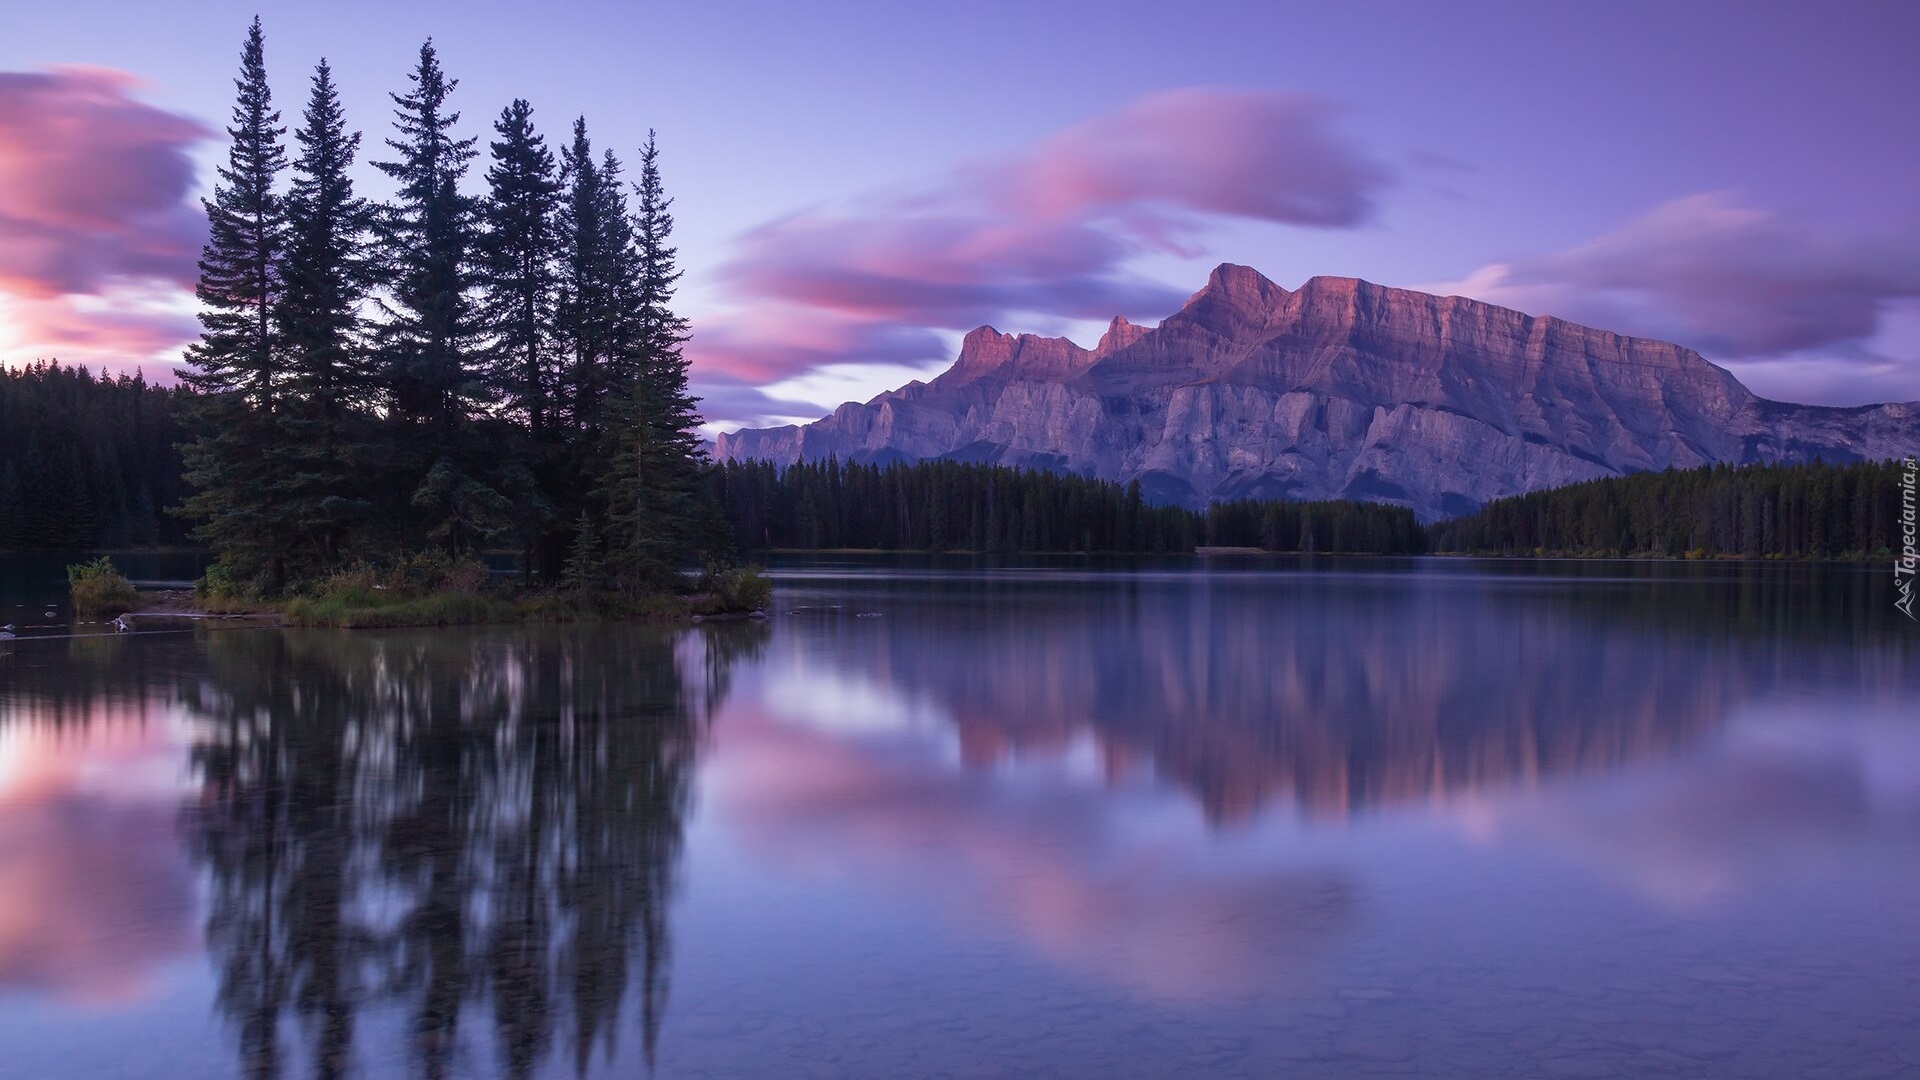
x: 353, y: 606
x: 430, y: 591
x: 359, y: 612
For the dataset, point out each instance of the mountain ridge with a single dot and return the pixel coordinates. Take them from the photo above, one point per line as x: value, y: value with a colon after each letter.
x: 1338, y: 389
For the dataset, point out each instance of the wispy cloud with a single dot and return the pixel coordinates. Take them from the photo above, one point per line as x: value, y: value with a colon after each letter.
x: 1049, y: 229
x: 1803, y: 305
x: 95, y: 200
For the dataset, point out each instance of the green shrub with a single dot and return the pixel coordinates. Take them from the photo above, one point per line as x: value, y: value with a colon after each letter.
x: 736, y: 590
x: 436, y: 571
x: 213, y: 584
x: 218, y: 590
x: 412, y: 577
x: 98, y: 588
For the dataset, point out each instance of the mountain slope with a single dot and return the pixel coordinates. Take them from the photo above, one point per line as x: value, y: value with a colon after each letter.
x: 1340, y: 389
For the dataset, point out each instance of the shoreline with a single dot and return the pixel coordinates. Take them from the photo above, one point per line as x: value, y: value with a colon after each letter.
x: 440, y: 608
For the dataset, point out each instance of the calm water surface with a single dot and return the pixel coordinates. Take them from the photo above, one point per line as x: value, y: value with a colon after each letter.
x: 1436, y: 818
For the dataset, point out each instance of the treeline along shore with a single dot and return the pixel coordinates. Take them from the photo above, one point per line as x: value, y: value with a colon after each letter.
x: 1811, y: 511
x: 92, y: 463
x: 954, y: 506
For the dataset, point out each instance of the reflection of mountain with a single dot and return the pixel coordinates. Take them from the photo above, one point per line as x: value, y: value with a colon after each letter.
x: 1140, y: 908
x: 1338, y: 692
x: 464, y: 824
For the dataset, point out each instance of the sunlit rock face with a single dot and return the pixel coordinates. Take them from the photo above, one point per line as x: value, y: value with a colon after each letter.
x: 1340, y: 389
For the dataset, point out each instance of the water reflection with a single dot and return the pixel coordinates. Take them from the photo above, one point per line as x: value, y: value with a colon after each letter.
x: 484, y: 829
x: 93, y: 895
x: 480, y: 829
x: 1335, y: 693
x: 1059, y: 825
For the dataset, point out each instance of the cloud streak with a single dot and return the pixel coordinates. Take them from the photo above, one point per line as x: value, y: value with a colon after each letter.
x: 95, y: 197
x: 1049, y: 229
x: 1732, y: 281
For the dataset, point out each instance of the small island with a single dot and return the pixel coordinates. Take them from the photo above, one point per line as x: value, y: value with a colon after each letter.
x: 382, y: 393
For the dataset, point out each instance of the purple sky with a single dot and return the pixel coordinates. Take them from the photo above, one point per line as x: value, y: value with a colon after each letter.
x: 859, y: 184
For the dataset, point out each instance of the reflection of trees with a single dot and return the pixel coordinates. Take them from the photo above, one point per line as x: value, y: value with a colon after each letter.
x: 464, y: 823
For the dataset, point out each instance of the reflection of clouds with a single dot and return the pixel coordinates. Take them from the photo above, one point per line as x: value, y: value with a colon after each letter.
x: 835, y: 702
x: 1117, y: 884
x: 92, y: 890
x: 1780, y: 796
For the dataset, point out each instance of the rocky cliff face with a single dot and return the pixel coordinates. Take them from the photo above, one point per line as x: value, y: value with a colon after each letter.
x: 1340, y: 389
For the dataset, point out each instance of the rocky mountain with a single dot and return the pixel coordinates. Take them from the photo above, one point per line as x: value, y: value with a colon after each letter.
x: 1339, y: 389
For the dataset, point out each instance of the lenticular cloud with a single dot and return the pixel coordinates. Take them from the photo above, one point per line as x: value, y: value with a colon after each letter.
x: 1047, y: 229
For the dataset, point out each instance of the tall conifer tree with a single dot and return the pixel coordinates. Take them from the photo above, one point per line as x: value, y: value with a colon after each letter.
x: 657, y: 504
x: 428, y: 344
x: 319, y: 313
x: 594, y: 282
x: 520, y: 253
x: 236, y: 364
x: 428, y: 232
x: 597, y: 296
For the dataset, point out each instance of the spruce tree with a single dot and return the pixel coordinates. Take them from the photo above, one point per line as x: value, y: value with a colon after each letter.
x: 428, y: 344
x: 236, y: 364
x: 656, y: 501
x: 520, y: 252
x: 597, y: 286
x: 319, y: 314
x: 594, y: 329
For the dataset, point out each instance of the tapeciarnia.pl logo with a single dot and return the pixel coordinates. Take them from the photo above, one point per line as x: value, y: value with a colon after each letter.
x: 1909, y: 560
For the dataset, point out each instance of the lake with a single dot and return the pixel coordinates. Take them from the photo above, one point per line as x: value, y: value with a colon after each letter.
x: 956, y: 818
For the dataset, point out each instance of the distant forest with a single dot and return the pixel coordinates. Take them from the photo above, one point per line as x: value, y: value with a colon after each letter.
x: 1812, y: 511
x: 953, y: 506
x: 89, y: 462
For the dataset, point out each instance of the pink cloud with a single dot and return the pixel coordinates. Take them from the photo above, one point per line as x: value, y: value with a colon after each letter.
x: 736, y: 345
x: 1730, y: 280
x: 1260, y: 155
x: 95, y: 194
x: 1046, y: 230
x: 115, y: 331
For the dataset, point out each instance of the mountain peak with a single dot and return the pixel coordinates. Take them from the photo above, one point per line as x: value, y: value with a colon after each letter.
x: 1120, y: 334
x: 1236, y: 280
x: 982, y: 350
x: 985, y: 350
